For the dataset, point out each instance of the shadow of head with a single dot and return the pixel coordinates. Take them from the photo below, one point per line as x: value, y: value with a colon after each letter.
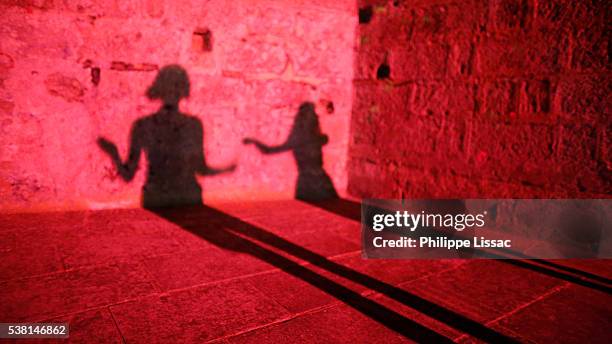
x: 307, y: 120
x: 170, y: 85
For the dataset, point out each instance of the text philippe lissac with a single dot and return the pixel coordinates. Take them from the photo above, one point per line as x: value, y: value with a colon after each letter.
x: 404, y: 220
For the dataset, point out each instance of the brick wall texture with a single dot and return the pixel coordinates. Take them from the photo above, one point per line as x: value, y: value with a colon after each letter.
x: 487, y: 98
x: 498, y: 98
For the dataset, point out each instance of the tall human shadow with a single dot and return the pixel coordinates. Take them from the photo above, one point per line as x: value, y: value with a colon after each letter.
x: 172, y: 142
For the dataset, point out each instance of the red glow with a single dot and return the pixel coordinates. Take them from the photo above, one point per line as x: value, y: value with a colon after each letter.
x: 276, y: 115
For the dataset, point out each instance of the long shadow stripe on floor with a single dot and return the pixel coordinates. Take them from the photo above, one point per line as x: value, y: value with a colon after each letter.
x: 228, y: 232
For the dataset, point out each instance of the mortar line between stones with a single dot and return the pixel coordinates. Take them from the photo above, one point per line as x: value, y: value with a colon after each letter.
x: 116, y: 325
x: 333, y: 304
x: 545, y: 295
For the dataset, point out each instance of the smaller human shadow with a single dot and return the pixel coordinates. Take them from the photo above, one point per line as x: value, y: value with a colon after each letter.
x: 313, y: 186
x: 172, y: 142
x: 305, y: 141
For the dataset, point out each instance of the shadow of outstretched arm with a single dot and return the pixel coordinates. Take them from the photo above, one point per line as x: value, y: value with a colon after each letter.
x: 293, y: 142
x: 209, y: 171
x: 265, y: 149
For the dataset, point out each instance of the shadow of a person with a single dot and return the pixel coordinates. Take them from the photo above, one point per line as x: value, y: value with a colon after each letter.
x: 172, y: 142
x: 306, y: 142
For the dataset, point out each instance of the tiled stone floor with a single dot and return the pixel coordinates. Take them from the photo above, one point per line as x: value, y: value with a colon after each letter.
x: 278, y: 272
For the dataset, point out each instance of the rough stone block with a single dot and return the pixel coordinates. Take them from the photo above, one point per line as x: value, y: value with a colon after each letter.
x: 65, y: 87
x: 584, y: 98
x: 423, y: 61
x: 578, y: 156
x: 511, y: 15
x: 513, y: 152
x: 512, y: 57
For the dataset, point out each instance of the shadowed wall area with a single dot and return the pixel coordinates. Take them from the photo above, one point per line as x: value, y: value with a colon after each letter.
x: 497, y: 98
x: 172, y: 144
x: 74, y: 71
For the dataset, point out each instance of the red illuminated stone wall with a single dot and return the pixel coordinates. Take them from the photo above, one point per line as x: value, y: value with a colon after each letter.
x: 498, y: 98
x: 74, y: 70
